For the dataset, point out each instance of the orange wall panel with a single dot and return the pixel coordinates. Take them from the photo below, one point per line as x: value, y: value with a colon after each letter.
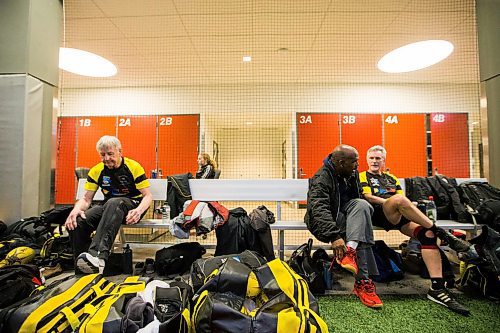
x: 317, y: 135
x: 65, y: 187
x: 404, y: 139
x: 450, y: 144
x: 138, y: 137
x: 178, y: 141
x: 90, y: 129
x: 361, y: 131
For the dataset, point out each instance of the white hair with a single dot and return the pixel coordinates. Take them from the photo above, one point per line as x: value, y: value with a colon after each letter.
x: 108, y: 141
x: 377, y: 148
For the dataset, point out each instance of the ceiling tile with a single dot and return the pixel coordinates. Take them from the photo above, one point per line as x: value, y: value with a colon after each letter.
x: 218, y: 25
x: 150, y: 26
x: 213, y: 7
x: 119, y: 8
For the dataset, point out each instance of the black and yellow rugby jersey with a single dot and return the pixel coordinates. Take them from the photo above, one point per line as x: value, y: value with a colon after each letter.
x: 125, y: 181
x: 384, y: 185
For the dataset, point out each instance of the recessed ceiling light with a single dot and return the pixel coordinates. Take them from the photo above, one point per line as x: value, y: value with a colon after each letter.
x: 247, y: 59
x: 415, y: 56
x: 85, y: 63
x: 249, y: 123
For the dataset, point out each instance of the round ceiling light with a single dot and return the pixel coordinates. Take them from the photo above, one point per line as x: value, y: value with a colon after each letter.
x: 85, y: 63
x: 415, y: 56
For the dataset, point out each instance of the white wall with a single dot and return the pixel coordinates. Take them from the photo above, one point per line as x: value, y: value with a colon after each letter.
x: 251, y: 122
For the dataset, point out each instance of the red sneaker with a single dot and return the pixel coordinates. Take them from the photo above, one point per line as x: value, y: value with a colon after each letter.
x: 348, y: 262
x: 365, y: 290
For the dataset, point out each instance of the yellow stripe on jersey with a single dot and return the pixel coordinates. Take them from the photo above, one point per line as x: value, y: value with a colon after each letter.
x: 363, y: 180
x: 141, y: 181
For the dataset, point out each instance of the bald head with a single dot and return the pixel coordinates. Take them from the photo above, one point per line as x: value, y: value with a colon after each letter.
x: 343, y: 152
x: 345, y: 160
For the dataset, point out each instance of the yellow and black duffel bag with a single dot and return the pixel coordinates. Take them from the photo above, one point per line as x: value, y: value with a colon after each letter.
x: 104, y: 314
x: 280, y: 301
x: 37, y: 312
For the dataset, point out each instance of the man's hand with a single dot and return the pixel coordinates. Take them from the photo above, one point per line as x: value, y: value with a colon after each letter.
x: 133, y: 216
x: 70, y: 223
x: 339, y: 248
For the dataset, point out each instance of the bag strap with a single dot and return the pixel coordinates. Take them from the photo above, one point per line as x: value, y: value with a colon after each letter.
x: 71, y: 317
x: 323, y: 327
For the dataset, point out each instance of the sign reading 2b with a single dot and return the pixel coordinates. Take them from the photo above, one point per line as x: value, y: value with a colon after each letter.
x: 165, y: 121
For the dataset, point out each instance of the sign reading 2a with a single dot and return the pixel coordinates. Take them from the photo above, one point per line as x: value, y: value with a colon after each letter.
x: 165, y: 121
x: 122, y: 122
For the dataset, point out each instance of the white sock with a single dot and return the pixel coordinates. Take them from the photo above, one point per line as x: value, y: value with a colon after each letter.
x: 352, y: 244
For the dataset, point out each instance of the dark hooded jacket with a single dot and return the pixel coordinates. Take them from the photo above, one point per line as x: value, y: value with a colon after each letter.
x: 323, y: 202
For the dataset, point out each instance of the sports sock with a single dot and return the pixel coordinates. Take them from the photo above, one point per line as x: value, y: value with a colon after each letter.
x: 437, y: 283
x: 352, y: 244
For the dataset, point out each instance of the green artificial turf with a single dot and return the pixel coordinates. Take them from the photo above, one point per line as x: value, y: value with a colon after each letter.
x: 408, y: 313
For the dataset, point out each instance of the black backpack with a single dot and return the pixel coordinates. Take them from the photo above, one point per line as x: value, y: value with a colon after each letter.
x: 389, y: 263
x: 480, y: 275
x: 418, y: 188
x: 56, y: 216
x: 17, y: 282
x: 57, y: 249
x: 474, y: 193
x: 311, y: 270
x: 177, y: 259
x: 32, y: 229
x: 488, y: 212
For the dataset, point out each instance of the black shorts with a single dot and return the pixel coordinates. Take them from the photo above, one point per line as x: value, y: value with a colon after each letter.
x: 380, y: 220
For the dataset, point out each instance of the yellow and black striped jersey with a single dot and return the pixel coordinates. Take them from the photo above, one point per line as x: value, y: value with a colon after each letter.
x: 384, y: 185
x: 125, y: 181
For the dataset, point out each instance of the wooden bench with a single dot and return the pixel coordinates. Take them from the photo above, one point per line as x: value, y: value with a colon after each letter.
x: 158, y: 189
x: 279, y: 191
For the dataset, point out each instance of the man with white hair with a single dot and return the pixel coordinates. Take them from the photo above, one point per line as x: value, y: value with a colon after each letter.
x: 127, y: 198
x: 394, y: 211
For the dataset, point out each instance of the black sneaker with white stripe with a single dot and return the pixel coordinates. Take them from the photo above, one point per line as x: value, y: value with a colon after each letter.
x: 446, y: 298
x: 87, y: 263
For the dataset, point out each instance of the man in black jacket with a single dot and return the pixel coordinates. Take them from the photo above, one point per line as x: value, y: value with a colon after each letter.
x: 337, y: 214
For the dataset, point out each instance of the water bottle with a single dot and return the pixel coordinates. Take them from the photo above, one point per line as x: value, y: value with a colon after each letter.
x: 431, y: 209
x: 165, y: 213
x: 127, y: 260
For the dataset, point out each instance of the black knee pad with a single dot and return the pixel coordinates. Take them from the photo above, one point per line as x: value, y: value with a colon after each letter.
x: 427, y: 242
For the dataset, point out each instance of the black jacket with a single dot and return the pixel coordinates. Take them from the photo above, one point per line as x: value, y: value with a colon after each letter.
x: 323, y: 203
x: 178, y: 192
x: 260, y: 220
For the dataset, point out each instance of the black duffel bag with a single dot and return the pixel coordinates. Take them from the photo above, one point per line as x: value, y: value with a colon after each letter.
x: 311, y: 270
x: 177, y: 259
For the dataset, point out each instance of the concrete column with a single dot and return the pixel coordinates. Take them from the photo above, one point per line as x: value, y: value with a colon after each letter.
x: 488, y: 23
x: 29, y: 55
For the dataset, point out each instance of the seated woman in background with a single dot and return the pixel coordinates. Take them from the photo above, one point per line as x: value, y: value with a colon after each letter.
x: 206, y: 167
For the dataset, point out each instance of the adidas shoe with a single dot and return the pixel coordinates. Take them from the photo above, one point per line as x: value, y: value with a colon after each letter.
x: 89, y: 264
x: 365, y: 290
x: 446, y: 298
x: 348, y: 262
